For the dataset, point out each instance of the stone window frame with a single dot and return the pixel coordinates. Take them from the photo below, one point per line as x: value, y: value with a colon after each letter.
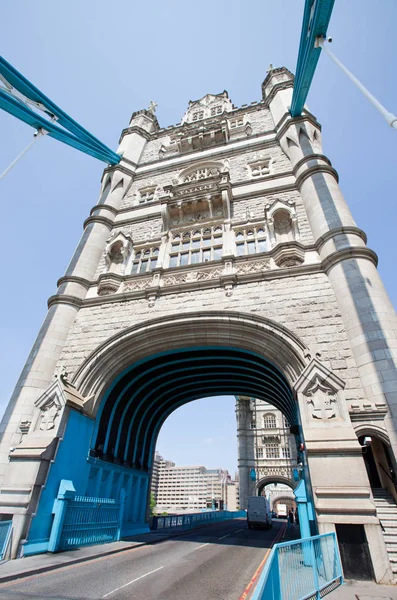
x: 286, y: 452
x: 250, y: 237
x: 147, y: 194
x: 286, y: 423
x: 216, y: 110
x: 236, y: 122
x: 272, y: 450
x: 262, y: 167
x: 144, y: 254
x: 269, y: 421
x: 198, y: 115
x: 202, y: 243
x: 259, y: 452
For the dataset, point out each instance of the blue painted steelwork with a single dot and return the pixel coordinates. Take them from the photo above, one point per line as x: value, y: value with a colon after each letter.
x: 70, y: 464
x: 306, y: 568
x: 316, y: 17
x: 5, y: 534
x: 90, y: 521
x: 147, y: 390
x: 20, y: 106
x: 190, y: 521
x: 83, y: 521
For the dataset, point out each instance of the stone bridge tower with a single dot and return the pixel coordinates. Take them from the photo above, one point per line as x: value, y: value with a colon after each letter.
x: 221, y: 257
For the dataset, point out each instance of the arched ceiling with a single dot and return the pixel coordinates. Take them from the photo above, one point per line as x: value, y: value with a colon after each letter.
x: 142, y: 397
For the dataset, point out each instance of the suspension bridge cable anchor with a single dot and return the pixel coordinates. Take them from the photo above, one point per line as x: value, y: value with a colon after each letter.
x: 390, y: 118
x: 37, y: 134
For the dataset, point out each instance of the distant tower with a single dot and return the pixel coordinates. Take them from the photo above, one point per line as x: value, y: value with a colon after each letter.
x: 221, y: 258
x: 265, y: 446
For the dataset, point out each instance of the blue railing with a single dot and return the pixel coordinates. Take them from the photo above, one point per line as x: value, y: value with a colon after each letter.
x: 5, y: 534
x: 301, y: 570
x: 89, y: 521
x: 189, y: 521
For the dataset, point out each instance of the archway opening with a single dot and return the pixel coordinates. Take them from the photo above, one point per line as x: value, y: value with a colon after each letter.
x: 138, y: 402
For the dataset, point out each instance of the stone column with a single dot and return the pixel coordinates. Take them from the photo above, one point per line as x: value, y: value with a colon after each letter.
x: 38, y: 372
x: 246, y: 448
x: 368, y: 315
x: 342, y: 493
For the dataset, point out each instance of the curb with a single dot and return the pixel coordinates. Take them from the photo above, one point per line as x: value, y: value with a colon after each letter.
x: 82, y: 559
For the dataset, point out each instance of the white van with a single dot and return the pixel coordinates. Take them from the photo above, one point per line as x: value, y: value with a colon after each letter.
x: 258, y: 512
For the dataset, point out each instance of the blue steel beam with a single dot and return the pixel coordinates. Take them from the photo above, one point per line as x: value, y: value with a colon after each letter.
x: 70, y: 133
x: 316, y: 17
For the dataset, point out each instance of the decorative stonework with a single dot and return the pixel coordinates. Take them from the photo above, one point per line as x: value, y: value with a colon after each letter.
x: 246, y: 268
x: 321, y: 394
x: 108, y: 284
x: 322, y: 401
x: 192, y: 277
x: 49, y: 415
x: 289, y: 256
x: 282, y: 221
x: 24, y: 427
x: 117, y: 252
x: 137, y: 284
x: 211, y: 105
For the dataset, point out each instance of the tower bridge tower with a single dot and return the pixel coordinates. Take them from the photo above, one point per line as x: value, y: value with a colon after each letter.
x: 221, y: 258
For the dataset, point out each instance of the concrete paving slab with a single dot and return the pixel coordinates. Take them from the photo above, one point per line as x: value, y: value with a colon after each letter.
x: 363, y: 590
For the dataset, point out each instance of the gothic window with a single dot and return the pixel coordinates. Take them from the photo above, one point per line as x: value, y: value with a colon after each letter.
x: 197, y: 246
x: 286, y: 452
x: 283, y: 229
x: 272, y: 450
x: 269, y: 422
x: 259, y: 452
x: 198, y: 115
x: 260, y: 168
x: 239, y: 122
x: 145, y: 260
x: 286, y: 423
x: 146, y: 195
x: 250, y: 240
x: 216, y: 110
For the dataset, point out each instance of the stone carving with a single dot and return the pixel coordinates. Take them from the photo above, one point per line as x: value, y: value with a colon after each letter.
x: 252, y: 267
x: 152, y: 107
x: 322, y: 393
x: 140, y: 284
x: 191, y: 276
x: 202, y: 173
x: 116, y: 253
x: 50, y: 413
x: 24, y: 427
x: 322, y: 401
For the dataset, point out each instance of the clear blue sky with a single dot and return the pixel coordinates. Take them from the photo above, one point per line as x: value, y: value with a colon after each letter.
x: 101, y: 61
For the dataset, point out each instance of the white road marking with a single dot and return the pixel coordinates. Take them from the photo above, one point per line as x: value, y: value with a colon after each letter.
x: 202, y: 546
x: 133, y: 581
x: 238, y: 530
x: 227, y: 535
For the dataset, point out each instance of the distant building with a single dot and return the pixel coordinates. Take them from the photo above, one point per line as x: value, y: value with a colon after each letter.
x: 266, y: 448
x: 191, y: 488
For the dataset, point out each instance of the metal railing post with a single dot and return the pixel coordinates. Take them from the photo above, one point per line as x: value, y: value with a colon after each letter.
x: 66, y: 492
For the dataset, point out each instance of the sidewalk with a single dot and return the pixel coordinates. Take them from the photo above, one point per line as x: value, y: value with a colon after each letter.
x: 363, y: 590
x: 39, y: 563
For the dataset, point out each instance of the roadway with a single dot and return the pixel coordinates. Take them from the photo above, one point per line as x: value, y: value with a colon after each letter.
x: 213, y: 563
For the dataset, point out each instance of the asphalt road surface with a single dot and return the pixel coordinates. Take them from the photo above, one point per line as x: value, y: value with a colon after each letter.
x: 213, y: 563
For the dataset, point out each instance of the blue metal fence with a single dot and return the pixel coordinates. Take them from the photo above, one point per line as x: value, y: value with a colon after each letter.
x: 305, y: 569
x: 189, y: 521
x: 5, y: 534
x: 89, y: 521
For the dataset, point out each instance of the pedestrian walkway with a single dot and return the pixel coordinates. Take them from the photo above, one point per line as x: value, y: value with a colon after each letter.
x: 39, y: 563
x: 363, y: 590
